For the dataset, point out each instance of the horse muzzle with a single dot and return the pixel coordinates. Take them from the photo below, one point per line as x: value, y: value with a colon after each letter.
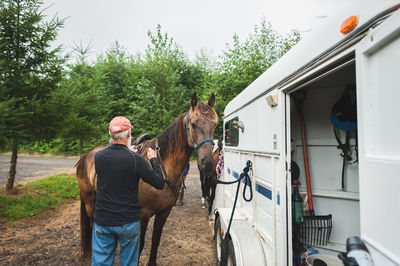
x: 206, y: 164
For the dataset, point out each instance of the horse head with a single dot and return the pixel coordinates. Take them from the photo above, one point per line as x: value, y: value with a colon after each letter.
x: 201, y: 121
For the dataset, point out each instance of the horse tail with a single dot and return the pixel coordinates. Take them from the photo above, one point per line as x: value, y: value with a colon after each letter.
x: 86, y: 222
x: 80, y: 166
x: 86, y: 233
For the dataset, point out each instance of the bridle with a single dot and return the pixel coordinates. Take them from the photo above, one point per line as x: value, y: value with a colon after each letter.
x: 190, y: 138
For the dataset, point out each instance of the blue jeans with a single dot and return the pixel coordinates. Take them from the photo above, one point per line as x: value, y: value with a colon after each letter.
x: 105, y: 239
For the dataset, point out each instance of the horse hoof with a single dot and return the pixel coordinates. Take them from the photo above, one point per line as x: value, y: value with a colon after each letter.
x: 203, y: 203
x: 179, y: 203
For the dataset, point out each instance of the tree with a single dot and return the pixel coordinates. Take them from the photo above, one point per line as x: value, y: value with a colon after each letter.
x: 167, y: 79
x: 82, y: 101
x: 242, y: 63
x: 116, y: 76
x: 29, y: 72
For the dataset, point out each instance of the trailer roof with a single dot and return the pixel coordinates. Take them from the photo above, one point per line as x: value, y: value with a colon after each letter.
x: 322, y: 39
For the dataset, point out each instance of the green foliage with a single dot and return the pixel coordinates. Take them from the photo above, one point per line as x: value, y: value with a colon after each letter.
x: 30, y: 69
x: 42, y: 194
x: 61, y: 186
x: 154, y: 87
x: 166, y: 82
x: 81, y: 103
x: 25, y: 206
x: 242, y: 63
x: 115, y: 74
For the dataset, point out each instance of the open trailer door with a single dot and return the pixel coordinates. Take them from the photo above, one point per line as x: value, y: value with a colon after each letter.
x: 378, y: 91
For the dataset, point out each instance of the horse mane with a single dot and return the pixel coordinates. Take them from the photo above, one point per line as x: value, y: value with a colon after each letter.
x: 172, y: 137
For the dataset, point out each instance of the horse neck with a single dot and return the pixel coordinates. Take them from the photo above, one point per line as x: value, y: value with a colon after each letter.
x: 174, y: 149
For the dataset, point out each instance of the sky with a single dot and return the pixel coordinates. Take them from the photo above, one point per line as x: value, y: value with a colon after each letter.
x: 194, y: 25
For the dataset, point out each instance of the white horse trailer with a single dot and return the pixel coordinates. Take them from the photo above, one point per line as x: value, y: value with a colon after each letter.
x: 262, y: 125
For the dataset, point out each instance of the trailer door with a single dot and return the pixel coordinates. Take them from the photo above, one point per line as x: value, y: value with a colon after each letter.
x: 378, y: 92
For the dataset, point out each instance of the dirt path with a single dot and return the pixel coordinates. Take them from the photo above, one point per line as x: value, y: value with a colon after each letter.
x: 53, y: 237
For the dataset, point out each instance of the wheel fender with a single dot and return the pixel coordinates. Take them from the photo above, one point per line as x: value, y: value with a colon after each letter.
x: 245, y: 240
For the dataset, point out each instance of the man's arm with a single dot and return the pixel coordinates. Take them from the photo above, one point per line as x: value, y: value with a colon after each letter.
x: 151, y: 175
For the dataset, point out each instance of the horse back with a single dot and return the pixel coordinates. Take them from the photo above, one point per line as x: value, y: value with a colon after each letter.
x: 85, y: 170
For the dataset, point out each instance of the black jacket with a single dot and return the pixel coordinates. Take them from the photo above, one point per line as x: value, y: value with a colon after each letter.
x: 118, y: 171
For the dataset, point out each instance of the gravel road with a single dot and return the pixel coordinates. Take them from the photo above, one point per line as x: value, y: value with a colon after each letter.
x: 53, y: 237
x: 33, y: 167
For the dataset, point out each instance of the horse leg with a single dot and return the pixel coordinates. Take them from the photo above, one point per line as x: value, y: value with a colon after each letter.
x: 179, y: 202
x: 86, y: 222
x: 144, y: 220
x: 207, y: 181
x: 159, y: 222
x: 212, y: 197
x: 203, y: 189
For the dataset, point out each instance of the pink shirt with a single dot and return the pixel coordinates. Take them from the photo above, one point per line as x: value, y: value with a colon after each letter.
x: 220, y: 165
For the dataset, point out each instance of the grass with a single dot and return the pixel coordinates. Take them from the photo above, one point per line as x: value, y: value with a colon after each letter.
x: 38, y: 196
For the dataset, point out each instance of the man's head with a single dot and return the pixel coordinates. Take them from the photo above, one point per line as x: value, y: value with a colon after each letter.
x: 120, y: 129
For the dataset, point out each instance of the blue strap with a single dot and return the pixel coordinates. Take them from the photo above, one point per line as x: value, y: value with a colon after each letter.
x: 343, y: 125
x: 190, y: 138
x: 203, y: 141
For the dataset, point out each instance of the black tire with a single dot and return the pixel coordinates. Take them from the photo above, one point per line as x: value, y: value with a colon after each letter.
x: 230, y: 254
x: 218, y: 240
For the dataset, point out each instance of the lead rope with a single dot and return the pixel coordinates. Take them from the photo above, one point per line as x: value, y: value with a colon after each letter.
x: 172, y: 186
x: 247, y: 182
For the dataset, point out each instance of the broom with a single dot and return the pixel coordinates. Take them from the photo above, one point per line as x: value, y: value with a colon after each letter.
x: 315, y: 230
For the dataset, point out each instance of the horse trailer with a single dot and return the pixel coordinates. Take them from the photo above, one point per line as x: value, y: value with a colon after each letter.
x: 284, y: 125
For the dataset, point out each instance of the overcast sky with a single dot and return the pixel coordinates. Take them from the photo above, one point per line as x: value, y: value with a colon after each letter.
x: 193, y: 24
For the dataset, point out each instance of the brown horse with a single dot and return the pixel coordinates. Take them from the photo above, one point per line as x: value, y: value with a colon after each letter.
x: 209, y: 180
x: 190, y: 131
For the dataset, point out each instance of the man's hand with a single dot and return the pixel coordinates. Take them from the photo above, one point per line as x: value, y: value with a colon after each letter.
x: 151, y: 153
x: 133, y: 148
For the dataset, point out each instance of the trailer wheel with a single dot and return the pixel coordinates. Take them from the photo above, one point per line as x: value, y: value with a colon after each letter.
x: 230, y: 254
x: 218, y: 240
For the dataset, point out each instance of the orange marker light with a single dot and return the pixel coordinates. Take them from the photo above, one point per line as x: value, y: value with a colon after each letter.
x: 349, y: 24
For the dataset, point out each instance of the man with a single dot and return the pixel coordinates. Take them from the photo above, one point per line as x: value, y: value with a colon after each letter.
x: 117, y: 212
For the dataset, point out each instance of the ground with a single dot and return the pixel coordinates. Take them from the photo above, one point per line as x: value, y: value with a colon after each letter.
x: 53, y: 238
x: 32, y: 167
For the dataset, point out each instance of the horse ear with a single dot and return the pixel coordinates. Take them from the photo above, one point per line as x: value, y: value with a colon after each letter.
x: 194, y: 100
x: 211, y: 101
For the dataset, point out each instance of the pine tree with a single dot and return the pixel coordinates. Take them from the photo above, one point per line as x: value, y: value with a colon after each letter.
x: 82, y: 121
x: 30, y: 70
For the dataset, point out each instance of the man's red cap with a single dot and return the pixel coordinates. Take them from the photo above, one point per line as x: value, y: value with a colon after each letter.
x: 119, y: 124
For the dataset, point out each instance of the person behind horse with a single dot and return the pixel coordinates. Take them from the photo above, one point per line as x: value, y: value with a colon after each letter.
x: 220, y: 165
x: 117, y: 213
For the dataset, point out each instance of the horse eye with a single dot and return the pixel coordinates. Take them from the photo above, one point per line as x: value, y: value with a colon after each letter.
x: 193, y: 125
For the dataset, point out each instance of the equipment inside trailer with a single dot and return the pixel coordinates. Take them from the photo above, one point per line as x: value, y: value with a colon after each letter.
x: 325, y: 193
